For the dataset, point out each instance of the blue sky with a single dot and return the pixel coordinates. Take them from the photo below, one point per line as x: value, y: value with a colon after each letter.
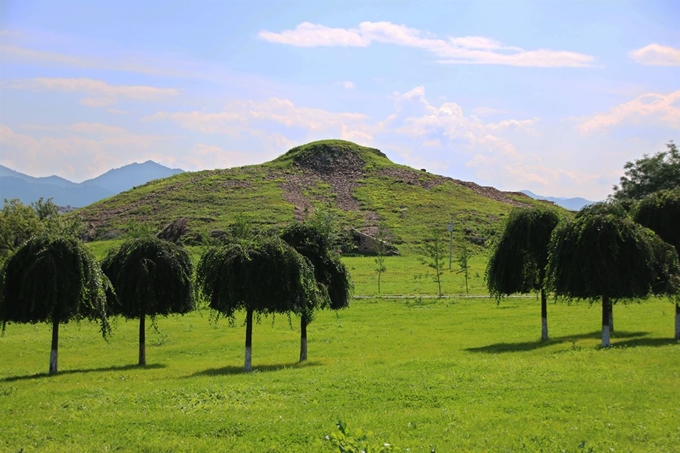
x: 550, y: 96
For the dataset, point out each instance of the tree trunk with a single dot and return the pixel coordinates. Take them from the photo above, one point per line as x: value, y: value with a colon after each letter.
x: 605, y: 322
x: 303, y: 338
x: 544, y: 316
x: 677, y: 320
x: 248, y: 367
x: 55, y: 347
x: 611, y: 317
x: 142, y: 340
x: 379, y: 282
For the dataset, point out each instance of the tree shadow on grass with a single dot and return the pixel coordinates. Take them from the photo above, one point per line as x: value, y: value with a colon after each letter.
x: 87, y: 370
x: 633, y: 342
x: 634, y: 337
x: 231, y: 370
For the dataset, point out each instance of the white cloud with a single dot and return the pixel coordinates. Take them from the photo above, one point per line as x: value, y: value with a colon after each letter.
x: 453, y: 50
x: 348, y: 85
x: 656, y: 55
x: 312, y: 35
x: 100, y: 93
x: 655, y: 108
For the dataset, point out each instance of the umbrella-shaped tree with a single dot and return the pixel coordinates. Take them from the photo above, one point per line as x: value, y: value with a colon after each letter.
x: 332, y: 277
x: 660, y: 212
x: 53, y: 280
x: 518, y: 262
x: 264, y: 276
x: 603, y: 255
x: 150, y: 277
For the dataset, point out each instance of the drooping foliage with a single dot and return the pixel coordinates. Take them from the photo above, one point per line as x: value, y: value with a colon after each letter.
x: 53, y: 280
x: 517, y: 264
x: 334, y: 284
x: 311, y: 242
x: 606, y: 254
x: 267, y: 276
x: 263, y: 276
x: 660, y: 212
x: 150, y: 277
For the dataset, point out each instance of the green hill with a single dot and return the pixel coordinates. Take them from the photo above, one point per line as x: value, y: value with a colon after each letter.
x: 361, y: 184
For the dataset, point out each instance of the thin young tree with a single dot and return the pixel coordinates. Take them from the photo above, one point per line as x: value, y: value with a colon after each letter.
x: 150, y: 277
x: 264, y: 276
x: 517, y: 264
x: 434, y: 250
x: 381, y: 251
x: 53, y: 280
x: 463, y: 260
x: 602, y: 255
x: 660, y: 212
x: 332, y: 277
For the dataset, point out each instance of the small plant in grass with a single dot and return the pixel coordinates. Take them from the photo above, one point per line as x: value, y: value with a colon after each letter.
x: 347, y: 440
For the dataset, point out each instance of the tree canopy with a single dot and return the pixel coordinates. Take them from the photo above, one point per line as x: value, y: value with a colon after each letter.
x: 263, y: 276
x: 517, y: 264
x: 150, y: 277
x: 650, y: 174
x: 332, y: 277
x: 602, y: 254
x: 53, y: 280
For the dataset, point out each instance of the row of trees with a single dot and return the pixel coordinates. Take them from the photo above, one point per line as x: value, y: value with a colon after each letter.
x: 623, y: 249
x: 55, y: 279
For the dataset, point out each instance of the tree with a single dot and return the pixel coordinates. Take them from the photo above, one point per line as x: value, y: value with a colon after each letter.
x: 650, y: 174
x: 380, y: 251
x: 434, y: 249
x: 18, y: 223
x: 517, y: 264
x: 332, y: 277
x: 603, y: 255
x: 660, y: 212
x: 150, y: 277
x: 53, y: 280
x: 263, y: 276
x: 464, y: 263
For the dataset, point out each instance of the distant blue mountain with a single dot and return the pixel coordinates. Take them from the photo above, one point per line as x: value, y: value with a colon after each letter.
x: 29, y: 189
x: 573, y: 204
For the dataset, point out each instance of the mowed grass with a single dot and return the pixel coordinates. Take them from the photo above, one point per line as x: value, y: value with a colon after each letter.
x: 458, y: 374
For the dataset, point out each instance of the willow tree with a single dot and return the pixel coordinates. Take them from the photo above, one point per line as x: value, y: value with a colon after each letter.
x: 518, y: 262
x: 332, y: 277
x: 264, y: 277
x: 150, y: 277
x: 603, y: 255
x: 660, y: 212
x: 53, y: 280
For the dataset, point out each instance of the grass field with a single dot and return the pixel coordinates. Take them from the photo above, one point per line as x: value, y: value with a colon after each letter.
x: 458, y: 374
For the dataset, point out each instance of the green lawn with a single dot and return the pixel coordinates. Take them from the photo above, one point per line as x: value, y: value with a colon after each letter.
x: 458, y: 374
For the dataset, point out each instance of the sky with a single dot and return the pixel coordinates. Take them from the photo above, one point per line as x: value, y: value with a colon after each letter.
x: 550, y: 96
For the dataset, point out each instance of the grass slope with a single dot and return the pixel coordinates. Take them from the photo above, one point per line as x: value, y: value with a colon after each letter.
x: 361, y: 183
x: 463, y: 375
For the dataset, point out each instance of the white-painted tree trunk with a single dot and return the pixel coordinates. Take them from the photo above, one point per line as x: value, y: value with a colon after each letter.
x: 605, y: 337
x: 677, y: 321
x: 248, y: 367
x: 55, y: 347
x: 544, y: 329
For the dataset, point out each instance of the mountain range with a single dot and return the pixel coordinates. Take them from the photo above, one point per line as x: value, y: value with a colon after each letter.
x: 572, y: 204
x: 63, y: 192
